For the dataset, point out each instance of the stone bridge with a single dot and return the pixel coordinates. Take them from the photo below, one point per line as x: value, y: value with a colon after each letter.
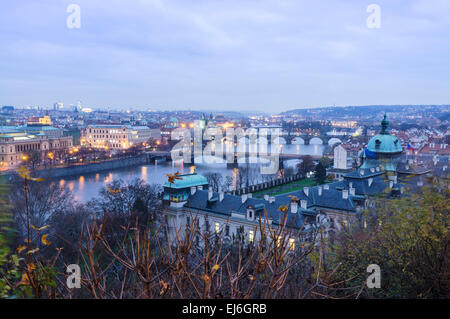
x: 312, y: 139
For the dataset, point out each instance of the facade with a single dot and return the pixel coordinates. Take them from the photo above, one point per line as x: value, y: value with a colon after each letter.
x: 116, y: 137
x: 340, y: 158
x: 236, y: 216
x: 332, y: 206
x: 17, y: 142
x: 45, y: 120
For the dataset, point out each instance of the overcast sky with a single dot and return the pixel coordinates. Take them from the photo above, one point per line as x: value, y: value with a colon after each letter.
x: 268, y: 55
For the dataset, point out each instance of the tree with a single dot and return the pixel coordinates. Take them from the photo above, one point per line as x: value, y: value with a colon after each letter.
x: 33, y: 157
x: 214, y: 180
x: 320, y: 173
x: 39, y: 200
x: 325, y: 161
x: 306, y: 165
x: 120, y: 198
x: 408, y: 238
x: 227, y: 183
x: 6, y: 289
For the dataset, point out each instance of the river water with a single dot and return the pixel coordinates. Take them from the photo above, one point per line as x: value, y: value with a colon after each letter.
x: 87, y: 186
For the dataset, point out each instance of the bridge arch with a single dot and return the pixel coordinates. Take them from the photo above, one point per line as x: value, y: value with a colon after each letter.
x: 333, y: 141
x: 316, y: 141
x: 244, y: 140
x: 298, y: 140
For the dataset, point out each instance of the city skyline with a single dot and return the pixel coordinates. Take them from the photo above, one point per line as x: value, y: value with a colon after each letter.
x: 237, y: 56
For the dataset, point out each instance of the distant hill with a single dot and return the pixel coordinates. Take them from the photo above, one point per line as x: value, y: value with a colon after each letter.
x: 369, y: 110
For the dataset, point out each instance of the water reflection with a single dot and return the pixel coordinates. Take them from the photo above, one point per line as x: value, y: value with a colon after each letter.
x: 109, y: 178
x: 87, y: 186
x: 81, y: 183
x: 144, y: 173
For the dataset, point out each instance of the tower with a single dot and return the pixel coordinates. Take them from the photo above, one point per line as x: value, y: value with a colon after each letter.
x: 383, y: 150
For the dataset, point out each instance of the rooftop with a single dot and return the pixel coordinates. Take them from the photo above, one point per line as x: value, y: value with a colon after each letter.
x: 384, y: 143
x: 187, y: 181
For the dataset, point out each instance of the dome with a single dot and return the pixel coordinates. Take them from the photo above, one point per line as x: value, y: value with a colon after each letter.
x: 384, y: 142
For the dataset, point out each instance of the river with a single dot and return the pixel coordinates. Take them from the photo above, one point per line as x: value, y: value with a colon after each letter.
x: 87, y: 186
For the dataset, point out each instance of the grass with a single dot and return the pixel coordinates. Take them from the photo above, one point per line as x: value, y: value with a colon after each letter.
x: 287, y: 188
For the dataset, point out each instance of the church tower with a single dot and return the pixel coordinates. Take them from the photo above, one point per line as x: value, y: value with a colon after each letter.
x: 383, y: 150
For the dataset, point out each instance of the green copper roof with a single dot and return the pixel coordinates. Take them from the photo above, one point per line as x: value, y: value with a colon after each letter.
x: 188, y: 180
x: 384, y: 142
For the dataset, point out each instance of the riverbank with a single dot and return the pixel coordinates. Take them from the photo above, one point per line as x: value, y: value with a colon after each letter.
x: 81, y: 169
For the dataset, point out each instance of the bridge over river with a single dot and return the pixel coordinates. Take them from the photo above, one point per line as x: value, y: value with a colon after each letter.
x: 166, y: 156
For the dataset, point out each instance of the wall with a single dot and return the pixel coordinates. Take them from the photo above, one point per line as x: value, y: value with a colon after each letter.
x: 94, y: 167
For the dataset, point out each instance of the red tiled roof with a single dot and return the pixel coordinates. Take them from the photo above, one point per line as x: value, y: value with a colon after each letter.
x: 436, y: 149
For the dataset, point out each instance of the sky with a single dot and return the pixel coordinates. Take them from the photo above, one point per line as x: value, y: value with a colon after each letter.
x: 265, y: 55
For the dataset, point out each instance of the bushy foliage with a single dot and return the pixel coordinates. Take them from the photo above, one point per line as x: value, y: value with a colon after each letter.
x: 409, y: 239
x: 126, y: 248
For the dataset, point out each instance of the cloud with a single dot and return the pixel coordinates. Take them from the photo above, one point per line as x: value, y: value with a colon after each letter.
x: 267, y: 54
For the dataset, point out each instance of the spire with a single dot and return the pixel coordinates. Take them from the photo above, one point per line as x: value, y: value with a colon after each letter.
x: 384, y: 125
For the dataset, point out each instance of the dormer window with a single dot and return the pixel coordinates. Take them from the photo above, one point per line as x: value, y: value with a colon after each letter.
x: 250, y: 212
x: 377, y: 143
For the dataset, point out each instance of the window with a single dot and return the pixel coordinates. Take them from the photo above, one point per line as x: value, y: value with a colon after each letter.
x: 291, y: 243
x: 227, y: 230
x: 251, y: 236
x: 217, y: 227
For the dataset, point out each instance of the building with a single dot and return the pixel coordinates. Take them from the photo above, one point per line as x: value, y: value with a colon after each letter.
x: 383, y: 150
x: 340, y: 159
x: 331, y: 207
x: 16, y: 143
x: 117, y: 137
x: 7, y: 110
x: 231, y: 215
x: 58, y: 106
x: 433, y: 148
x: 39, y: 121
x: 345, y: 157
